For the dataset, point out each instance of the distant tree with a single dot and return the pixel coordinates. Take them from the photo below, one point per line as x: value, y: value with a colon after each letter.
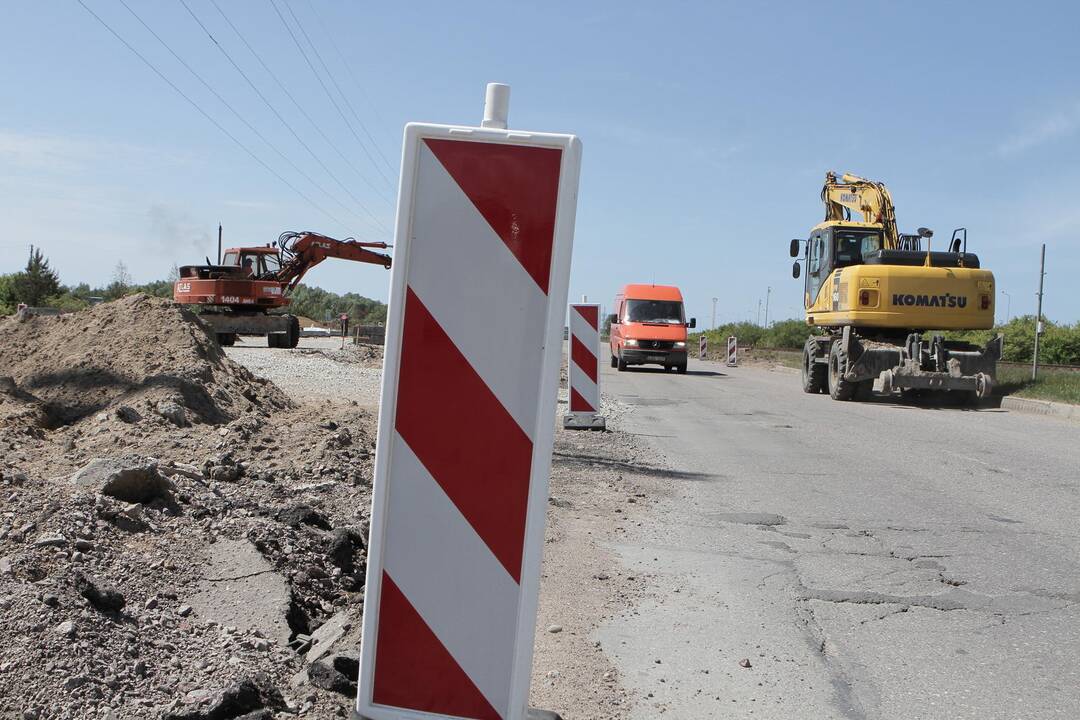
x: 37, y: 282
x: 121, y: 282
x: 174, y: 274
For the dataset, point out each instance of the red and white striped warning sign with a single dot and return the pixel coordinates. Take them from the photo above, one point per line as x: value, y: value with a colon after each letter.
x: 583, y: 367
x: 732, y: 351
x: 484, y: 228
x: 702, y: 347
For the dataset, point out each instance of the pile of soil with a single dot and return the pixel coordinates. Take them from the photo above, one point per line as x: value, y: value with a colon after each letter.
x: 140, y: 352
x: 176, y: 534
x: 358, y: 354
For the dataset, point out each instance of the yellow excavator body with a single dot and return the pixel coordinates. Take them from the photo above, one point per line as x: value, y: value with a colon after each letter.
x: 871, y: 292
x: 915, y: 297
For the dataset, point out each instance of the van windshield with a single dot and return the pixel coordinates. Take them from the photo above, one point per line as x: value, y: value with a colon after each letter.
x: 669, y: 312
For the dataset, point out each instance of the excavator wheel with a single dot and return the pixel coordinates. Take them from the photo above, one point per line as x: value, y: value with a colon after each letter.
x: 814, y: 374
x: 226, y: 339
x: 839, y: 388
x: 274, y: 340
x: 294, y: 332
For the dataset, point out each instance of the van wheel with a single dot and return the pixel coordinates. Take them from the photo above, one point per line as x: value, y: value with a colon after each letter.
x: 614, y: 361
x: 681, y: 369
x: 621, y: 364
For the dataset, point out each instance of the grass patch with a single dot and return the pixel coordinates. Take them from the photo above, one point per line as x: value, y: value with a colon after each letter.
x: 1054, y: 385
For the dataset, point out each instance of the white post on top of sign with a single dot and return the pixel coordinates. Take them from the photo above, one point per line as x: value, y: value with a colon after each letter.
x: 478, y: 292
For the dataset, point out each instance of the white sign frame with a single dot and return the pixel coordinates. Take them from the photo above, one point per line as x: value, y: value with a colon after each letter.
x: 565, y: 217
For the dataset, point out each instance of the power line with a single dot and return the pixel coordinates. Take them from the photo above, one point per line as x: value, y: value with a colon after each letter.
x: 297, y: 104
x: 206, y: 115
x: 230, y: 107
x: 323, y: 84
x: 345, y: 97
x: 278, y: 115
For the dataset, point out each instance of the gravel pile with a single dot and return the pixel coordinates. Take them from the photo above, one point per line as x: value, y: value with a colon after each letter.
x: 196, y: 565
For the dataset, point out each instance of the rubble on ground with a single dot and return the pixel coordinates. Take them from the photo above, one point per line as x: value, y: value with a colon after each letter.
x: 177, y: 538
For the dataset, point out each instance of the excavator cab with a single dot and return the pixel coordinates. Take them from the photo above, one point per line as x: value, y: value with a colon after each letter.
x: 253, y: 262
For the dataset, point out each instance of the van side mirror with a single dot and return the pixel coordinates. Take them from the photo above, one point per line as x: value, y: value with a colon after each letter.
x: 693, y: 323
x: 794, y: 249
x: 613, y: 319
x: 796, y: 270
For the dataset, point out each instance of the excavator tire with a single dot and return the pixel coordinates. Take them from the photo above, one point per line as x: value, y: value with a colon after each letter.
x: 839, y: 388
x: 226, y: 339
x: 814, y: 374
x: 294, y: 332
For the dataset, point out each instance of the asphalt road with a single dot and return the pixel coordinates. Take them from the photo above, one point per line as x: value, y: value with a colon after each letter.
x: 870, y: 560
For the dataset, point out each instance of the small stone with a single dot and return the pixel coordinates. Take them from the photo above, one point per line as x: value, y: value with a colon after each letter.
x: 745, y: 663
x: 66, y: 628
x: 151, y: 603
x: 77, y: 557
x: 554, y: 628
x: 83, y: 545
x: 52, y: 540
x: 127, y: 414
x: 100, y: 596
x: 5, y: 566
x: 139, y: 669
x: 184, y: 610
x: 51, y: 601
x: 172, y: 412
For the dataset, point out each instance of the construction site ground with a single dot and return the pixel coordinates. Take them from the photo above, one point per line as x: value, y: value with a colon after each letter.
x: 183, y: 536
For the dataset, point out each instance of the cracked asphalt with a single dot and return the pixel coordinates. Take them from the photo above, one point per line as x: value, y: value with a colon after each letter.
x: 873, y: 560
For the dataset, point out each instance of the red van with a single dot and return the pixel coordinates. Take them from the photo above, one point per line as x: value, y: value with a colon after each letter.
x: 649, y: 327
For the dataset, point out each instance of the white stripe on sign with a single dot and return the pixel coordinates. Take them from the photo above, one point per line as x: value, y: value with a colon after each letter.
x: 451, y: 577
x: 583, y: 384
x: 584, y: 332
x: 505, y: 344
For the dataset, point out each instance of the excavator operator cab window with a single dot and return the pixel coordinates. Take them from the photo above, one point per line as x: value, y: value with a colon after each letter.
x: 270, y: 264
x: 230, y: 259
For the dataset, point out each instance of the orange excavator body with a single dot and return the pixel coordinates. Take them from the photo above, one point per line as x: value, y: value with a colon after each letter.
x: 253, y: 279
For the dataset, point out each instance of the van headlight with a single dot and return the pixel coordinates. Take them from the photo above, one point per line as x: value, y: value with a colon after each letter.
x: 679, y: 343
x: 631, y: 342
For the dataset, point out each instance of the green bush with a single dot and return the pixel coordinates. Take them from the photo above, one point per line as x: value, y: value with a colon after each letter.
x: 1059, y: 344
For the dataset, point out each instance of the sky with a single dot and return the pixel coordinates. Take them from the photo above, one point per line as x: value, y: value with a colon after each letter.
x: 707, y: 129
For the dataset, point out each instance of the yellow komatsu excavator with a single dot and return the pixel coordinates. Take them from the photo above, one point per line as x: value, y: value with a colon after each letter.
x: 872, y: 293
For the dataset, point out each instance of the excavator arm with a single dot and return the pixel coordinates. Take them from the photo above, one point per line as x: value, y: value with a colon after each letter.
x: 869, y: 198
x: 304, y: 250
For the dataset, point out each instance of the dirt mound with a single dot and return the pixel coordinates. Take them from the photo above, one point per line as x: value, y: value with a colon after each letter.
x: 358, y: 354
x: 139, y: 353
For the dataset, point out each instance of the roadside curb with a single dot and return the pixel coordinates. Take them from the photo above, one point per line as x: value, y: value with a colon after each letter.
x: 1041, y: 407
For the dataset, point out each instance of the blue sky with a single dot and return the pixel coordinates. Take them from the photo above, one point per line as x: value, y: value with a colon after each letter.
x: 707, y: 130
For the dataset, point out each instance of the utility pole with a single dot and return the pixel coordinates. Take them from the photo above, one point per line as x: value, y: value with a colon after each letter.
x: 767, y: 294
x: 1008, y: 306
x: 1038, y: 316
x: 714, y: 312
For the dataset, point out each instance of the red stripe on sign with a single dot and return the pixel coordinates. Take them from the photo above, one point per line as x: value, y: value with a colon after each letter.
x: 583, y: 357
x: 463, y: 435
x: 578, y: 403
x: 414, y: 670
x: 515, y: 188
x: 591, y: 313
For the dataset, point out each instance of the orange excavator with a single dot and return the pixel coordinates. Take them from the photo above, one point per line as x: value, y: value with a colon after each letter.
x: 236, y: 296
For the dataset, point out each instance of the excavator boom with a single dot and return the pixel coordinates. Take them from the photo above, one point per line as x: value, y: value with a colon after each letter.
x: 869, y: 198
x: 304, y: 250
